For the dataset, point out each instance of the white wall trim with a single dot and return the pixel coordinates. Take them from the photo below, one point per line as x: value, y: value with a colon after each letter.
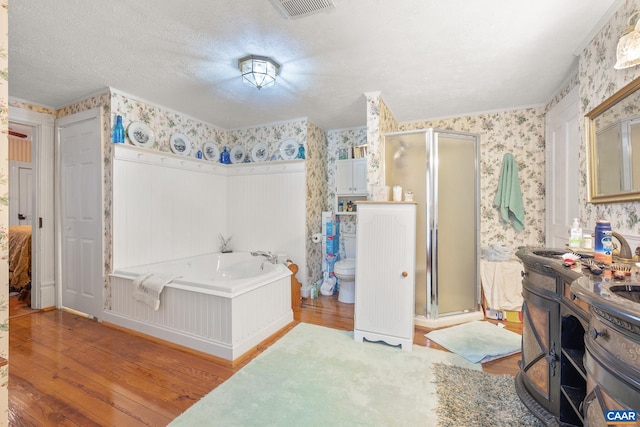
x: 170, y: 160
x: 43, y: 245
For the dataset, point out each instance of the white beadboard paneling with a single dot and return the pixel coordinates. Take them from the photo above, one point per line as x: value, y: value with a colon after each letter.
x: 224, y: 327
x: 267, y: 212
x: 165, y: 207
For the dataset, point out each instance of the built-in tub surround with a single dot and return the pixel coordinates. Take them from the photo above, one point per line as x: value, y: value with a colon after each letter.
x: 165, y: 122
x: 166, y: 206
x: 223, y: 304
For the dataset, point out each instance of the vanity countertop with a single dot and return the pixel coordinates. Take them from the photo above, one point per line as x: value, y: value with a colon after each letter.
x: 593, y: 289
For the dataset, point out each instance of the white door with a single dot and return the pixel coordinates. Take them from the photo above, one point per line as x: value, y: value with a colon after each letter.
x: 360, y: 176
x: 20, y: 193
x: 25, y: 182
x: 80, y: 174
x: 561, y: 162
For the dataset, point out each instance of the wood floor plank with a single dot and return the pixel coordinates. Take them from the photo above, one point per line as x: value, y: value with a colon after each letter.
x: 68, y: 370
x: 45, y: 359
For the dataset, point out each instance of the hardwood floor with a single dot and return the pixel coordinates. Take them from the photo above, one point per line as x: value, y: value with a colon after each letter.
x: 65, y: 369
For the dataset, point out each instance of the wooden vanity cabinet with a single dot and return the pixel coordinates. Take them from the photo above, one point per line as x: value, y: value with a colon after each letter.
x: 612, y: 365
x: 552, y: 378
x: 539, y: 378
x: 580, y: 344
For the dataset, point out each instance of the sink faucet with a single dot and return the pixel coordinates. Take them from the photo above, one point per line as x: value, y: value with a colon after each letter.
x: 273, y: 258
x: 625, y: 250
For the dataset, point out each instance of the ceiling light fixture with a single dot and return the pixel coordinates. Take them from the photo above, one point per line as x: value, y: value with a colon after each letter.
x: 628, y: 51
x: 258, y: 71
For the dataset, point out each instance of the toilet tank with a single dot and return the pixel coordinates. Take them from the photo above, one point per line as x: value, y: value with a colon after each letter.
x: 349, y: 240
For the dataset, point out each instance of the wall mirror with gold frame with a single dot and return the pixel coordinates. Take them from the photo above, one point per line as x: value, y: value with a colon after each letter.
x: 613, y: 142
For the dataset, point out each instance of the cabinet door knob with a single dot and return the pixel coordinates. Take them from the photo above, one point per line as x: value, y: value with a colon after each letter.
x: 594, y: 333
x: 405, y: 274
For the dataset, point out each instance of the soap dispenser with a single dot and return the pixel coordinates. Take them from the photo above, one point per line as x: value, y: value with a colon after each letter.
x: 575, y: 238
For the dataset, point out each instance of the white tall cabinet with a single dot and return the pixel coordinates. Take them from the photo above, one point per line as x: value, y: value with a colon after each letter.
x: 351, y: 176
x: 385, y: 273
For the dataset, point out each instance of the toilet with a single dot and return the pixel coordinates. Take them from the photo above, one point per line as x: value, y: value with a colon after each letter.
x: 345, y: 270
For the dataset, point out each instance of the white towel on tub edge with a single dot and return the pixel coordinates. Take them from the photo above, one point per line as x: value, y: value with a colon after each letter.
x: 148, y: 286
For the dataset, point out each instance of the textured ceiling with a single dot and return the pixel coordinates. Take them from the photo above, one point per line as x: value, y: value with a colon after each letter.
x: 428, y: 58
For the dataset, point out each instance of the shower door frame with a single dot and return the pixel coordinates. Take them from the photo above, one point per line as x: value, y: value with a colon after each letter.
x: 431, y: 141
x: 432, y: 168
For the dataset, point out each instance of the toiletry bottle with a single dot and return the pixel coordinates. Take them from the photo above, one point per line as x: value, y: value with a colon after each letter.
x: 117, y: 135
x: 300, y: 151
x: 575, y: 238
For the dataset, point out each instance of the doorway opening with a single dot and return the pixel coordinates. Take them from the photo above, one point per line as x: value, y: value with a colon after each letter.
x: 21, y: 217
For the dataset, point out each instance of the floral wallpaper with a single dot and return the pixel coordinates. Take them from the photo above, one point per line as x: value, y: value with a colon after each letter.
x: 164, y: 123
x: 4, y: 214
x: 598, y: 80
x: 380, y: 120
x: 521, y: 133
x: 316, y: 176
x: 32, y: 107
x: 571, y: 83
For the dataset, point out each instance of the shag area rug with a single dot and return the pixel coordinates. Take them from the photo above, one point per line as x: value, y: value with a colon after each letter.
x: 473, y: 398
x: 317, y: 376
x: 478, y: 341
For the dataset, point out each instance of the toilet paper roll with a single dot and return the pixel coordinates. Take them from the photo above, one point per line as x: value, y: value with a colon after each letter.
x: 316, y: 238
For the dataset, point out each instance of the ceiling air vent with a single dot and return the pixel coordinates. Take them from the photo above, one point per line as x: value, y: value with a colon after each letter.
x: 294, y: 9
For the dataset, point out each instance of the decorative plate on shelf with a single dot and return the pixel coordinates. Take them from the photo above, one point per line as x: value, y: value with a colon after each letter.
x: 180, y: 144
x: 237, y: 154
x: 260, y: 152
x: 140, y: 134
x: 289, y: 149
x: 210, y: 151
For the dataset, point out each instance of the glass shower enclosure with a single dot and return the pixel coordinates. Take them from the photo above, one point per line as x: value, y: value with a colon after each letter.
x: 441, y: 168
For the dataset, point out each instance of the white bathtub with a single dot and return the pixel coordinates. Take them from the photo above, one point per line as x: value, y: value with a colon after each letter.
x: 224, y: 304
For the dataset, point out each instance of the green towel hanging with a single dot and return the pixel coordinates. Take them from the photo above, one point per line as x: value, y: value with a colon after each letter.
x: 508, y: 198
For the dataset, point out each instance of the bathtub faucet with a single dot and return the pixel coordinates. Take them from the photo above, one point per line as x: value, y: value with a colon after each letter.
x: 268, y: 255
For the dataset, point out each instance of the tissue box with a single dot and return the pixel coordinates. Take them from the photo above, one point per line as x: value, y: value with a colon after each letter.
x: 329, y: 224
x: 333, y: 245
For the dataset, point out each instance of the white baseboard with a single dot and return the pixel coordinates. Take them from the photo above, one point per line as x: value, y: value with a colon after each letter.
x: 47, y: 295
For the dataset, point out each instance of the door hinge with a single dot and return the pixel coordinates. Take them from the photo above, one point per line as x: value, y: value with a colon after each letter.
x: 39, y: 222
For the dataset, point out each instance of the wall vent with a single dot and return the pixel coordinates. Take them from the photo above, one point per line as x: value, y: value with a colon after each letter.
x: 294, y: 9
